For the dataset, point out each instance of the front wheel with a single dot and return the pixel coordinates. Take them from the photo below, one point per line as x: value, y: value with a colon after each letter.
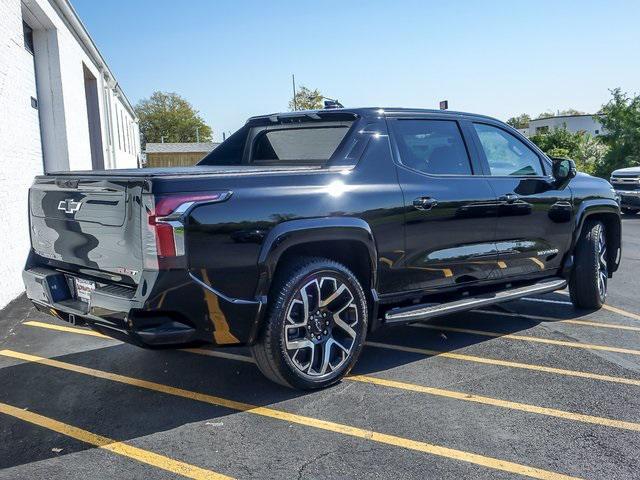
x: 315, y: 326
x: 588, y: 282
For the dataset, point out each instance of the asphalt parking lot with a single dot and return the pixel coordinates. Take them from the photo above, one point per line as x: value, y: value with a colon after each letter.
x: 533, y: 388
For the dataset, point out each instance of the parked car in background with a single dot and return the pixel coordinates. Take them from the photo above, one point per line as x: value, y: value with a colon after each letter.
x: 304, y: 231
x: 626, y: 182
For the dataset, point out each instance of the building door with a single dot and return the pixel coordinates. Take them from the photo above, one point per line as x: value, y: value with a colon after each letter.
x: 93, y: 118
x: 33, y: 87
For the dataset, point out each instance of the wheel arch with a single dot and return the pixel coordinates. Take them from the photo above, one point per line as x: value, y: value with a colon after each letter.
x: 347, y: 240
x: 607, y: 212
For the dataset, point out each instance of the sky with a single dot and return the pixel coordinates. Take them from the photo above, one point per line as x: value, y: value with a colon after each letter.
x: 234, y: 59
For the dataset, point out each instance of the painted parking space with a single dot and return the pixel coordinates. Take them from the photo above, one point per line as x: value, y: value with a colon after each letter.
x: 566, y: 416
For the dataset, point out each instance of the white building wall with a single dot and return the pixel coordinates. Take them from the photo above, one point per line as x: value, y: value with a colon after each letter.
x: 20, y: 151
x: 55, y: 135
x: 574, y: 123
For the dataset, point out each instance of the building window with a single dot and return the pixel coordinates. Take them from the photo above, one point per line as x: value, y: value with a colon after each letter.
x: 544, y: 129
x: 28, y: 37
x: 597, y: 132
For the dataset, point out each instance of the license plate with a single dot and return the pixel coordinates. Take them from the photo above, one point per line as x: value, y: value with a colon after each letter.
x: 84, y: 289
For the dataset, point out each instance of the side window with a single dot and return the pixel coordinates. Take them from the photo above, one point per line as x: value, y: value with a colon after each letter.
x: 432, y: 146
x: 506, y: 154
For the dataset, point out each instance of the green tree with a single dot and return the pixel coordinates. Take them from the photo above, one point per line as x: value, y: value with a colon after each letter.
x: 168, y: 115
x: 571, y: 111
x: 588, y: 152
x: 306, y: 99
x: 590, y: 155
x: 558, y: 138
x: 620, y: 119
x: 546, y: 114
x: 521, y: 121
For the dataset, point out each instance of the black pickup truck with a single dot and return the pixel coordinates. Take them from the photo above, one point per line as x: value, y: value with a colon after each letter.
x: 304, y: 231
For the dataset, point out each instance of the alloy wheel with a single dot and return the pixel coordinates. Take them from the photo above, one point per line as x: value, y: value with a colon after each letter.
x: 321, y: 326
x: 602, y: 265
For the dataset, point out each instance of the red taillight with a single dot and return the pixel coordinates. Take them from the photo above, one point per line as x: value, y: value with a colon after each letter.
x: 166, y: 205
x: 164, y: 240
x: 166, y: 225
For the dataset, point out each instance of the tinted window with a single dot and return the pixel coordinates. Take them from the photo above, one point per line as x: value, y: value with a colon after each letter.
x: 301, y: 145
x: 506, y: 154
x: 432, y: 146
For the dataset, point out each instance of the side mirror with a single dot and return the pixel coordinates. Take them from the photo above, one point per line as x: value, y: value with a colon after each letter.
x: 563, y: 170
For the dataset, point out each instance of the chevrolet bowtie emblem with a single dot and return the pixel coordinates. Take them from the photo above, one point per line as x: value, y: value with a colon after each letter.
x: 69, y: 206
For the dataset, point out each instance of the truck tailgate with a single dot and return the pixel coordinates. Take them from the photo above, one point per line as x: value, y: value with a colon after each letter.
x: 88, y: 224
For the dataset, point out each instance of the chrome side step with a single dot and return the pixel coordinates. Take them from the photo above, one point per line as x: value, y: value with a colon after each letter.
x: 425, y: 311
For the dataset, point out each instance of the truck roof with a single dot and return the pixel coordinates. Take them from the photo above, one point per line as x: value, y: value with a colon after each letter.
x: 368, y: 112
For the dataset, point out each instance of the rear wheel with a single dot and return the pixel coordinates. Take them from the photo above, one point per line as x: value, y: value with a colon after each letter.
x: 588, y: 282
x: 315, y: 327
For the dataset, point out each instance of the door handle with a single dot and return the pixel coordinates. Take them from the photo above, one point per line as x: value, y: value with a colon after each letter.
x: 424, y: 203
x: 508, y: 198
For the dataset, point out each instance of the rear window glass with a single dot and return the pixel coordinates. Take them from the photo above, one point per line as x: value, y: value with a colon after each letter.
x: 298, y: 145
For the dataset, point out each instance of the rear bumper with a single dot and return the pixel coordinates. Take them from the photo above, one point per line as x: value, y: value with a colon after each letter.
x: 166, y: 308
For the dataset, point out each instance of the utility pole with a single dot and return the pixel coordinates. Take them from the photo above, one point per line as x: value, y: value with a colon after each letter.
x: 198, y: 134
x: 293, y: 79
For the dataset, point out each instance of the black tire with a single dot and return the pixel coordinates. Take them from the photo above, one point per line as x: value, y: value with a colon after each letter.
x: 629, y: 211
x: 588, y: 282
x: 286, y: 326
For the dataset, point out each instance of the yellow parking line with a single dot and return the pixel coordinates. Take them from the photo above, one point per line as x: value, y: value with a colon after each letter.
x: 400, y: 348
x: 510, y: 336
x: 621, y: 312
x: 611, y: 308
x: 467, y: 397
x: 496, y: 402
x: 119, y: 448
x: 218, y: 354
x: 378, y: 437
x: 449, y: 394
x: 505, y: 363
x: 62, y: 328
x: 541, y: 318
x: 91, y: 333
